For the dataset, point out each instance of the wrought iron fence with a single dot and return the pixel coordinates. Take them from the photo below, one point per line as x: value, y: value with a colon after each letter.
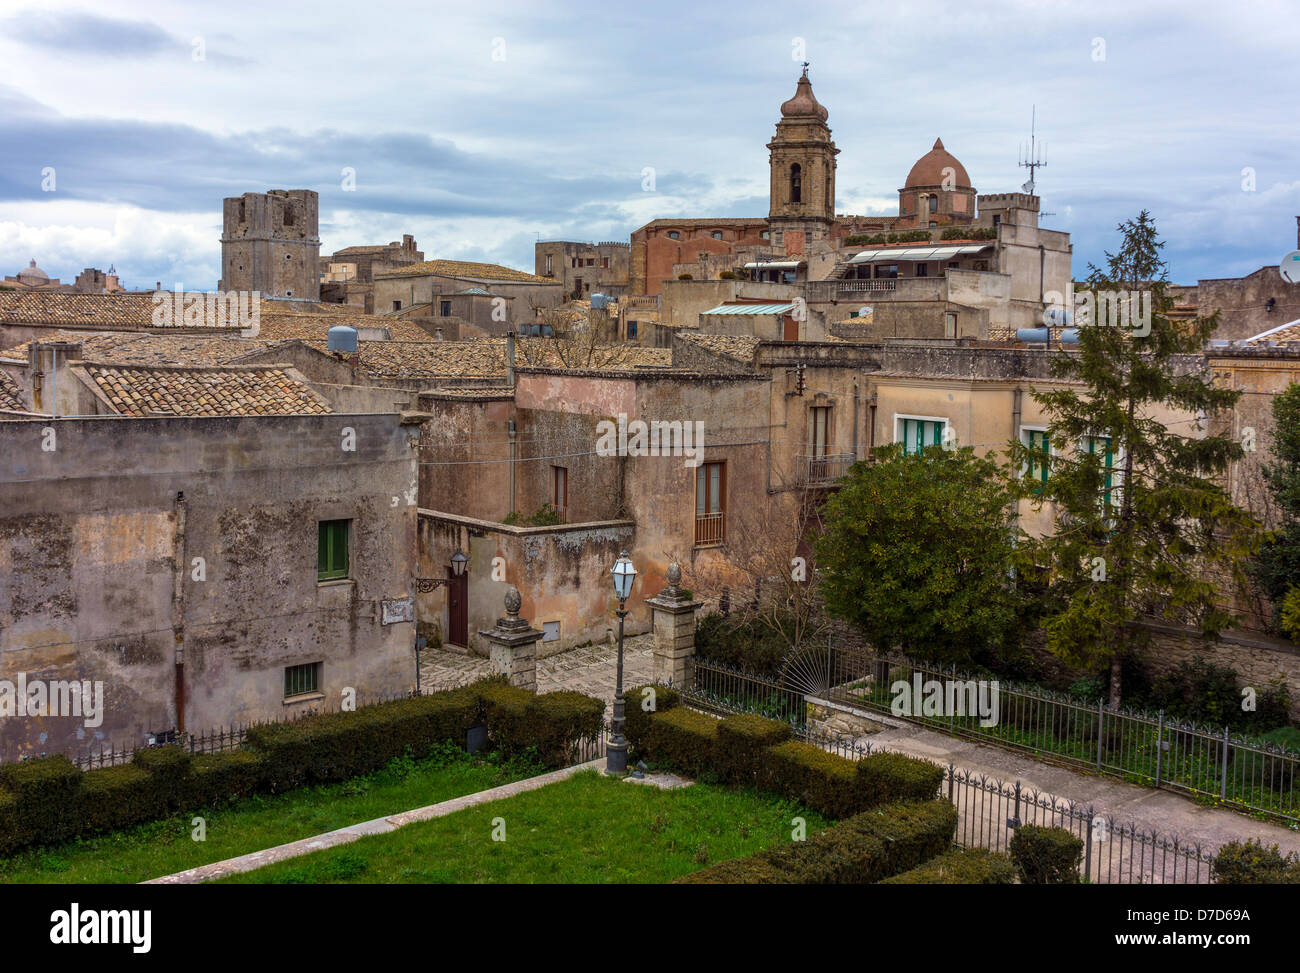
x: 723, y: 689
x: 990, y: 809
x: 1213, y: 765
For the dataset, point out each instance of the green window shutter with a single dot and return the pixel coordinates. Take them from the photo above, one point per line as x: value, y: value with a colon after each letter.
x: 332, y: 550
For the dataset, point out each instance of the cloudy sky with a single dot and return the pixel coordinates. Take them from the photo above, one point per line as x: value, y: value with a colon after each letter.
x: 480, y: 127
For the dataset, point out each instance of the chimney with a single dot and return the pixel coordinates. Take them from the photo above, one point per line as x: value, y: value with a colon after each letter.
x: 437, y: 334
x: 510, y: 358
x: 158, y: 286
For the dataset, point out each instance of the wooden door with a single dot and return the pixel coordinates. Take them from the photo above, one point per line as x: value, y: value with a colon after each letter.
x: 458, y: 610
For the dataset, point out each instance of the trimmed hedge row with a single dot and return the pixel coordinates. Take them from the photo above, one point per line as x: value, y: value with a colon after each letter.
x: 1046, y: 856
x: 750, y: 751
x: 1255, y: 863
x: 49, y: 799
x: 963, y: 866
x: 865, y: 848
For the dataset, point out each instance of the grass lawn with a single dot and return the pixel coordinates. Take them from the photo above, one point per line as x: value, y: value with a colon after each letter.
x: 588, y: 828
x: 163, y: 847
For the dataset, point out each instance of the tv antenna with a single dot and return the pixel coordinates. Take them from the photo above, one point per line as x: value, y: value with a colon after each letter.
x: 1031, y: 156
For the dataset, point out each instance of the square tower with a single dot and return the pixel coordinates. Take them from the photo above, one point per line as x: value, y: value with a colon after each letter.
x: 270, y: 242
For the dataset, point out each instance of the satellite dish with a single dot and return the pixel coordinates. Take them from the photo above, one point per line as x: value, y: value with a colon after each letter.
x: 1290, y: 267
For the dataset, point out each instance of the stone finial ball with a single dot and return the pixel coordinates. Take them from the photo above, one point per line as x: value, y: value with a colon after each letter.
x: 674, y: 574
x: 513, y: 601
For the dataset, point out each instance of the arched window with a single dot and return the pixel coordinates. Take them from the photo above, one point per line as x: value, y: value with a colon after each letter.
x: 934, y: 203
x: 796, y: 184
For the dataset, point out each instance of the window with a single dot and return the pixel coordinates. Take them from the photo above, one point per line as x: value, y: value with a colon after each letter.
x: 444, y: 308
x: 710, y: 504
x: 288, y: 216
x: 1104, y: 447
x: 886, y: 270
x: 997, y: 219
x: 950, y: 325
x: 765, y: 235
x: 717, y: 234
x: 1040, y: 444
x: 397, y: 305
x: 934, y: 205
x: 922, y: 270
x: 591, y: 261
x: 548, y: 264
x: 674, y: 235
x: 560, y: 491
x: 301, y: 680
x: 604, y: 263
x: 917, y: 434
x: 796, y: 184
x: 631, y: 329
x: 332, y: 549
x: 819, y: 424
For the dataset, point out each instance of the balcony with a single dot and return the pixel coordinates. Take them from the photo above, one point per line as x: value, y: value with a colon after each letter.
x: 710, y: 529
x: 824, y: 470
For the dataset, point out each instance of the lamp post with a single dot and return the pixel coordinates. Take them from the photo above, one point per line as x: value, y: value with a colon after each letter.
x: 624, y: 575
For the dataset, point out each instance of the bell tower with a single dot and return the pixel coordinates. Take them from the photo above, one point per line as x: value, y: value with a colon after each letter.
x: 802, y: 159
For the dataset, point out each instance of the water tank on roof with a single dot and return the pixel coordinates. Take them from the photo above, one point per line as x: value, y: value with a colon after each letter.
x: 599, y: 302
x: 343, y: 338
x: 1058, y: 316
x: 1067, y: 336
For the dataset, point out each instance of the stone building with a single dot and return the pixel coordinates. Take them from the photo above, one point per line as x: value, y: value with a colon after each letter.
x: 492, y: 298
x: 584, y: 268
x: 270, y: 243
x: 348, y: 276
x: 201, y: 572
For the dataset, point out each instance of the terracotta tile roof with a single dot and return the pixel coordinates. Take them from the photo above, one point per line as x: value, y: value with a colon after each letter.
x: 279, y: 325
x: 125, y: 311
x: 249, y: 390
x: 11, y: 395
x: 466, y: 269
x: 152, y: 348
x: 739, y: 347
x: 1286, y: 332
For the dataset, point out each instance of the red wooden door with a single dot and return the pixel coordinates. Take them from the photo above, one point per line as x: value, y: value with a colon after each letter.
x: 458, y: 610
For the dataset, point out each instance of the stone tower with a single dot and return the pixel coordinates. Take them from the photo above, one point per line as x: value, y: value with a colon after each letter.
x: 802, y: 160
x: 270, y: 242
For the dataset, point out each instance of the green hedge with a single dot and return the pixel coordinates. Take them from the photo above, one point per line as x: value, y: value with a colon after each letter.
x: 685, y: 740
x: 48, y: 800
x: 814, y: 778
x: 637, y: 717
x: 964, y: 866
x: 889, y: 777
x: 1254, y: 863
x: 1046, y: 856
x: 742, y: 744
x: 865, y: 848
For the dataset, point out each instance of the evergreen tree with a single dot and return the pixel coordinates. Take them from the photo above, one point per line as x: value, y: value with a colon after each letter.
x: 1144, y: 526
x: 1277, y: 566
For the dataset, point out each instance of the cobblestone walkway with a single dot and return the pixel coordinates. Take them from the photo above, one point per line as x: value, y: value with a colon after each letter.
x: 589, y: 670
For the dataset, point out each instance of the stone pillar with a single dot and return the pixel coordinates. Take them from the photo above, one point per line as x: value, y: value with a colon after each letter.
x: 674, y: 631
x: 513, y: 645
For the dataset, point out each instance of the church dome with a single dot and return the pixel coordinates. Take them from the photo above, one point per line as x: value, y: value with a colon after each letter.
x: 929, y: 169
x: 33, y: 274
x: 804, y: 103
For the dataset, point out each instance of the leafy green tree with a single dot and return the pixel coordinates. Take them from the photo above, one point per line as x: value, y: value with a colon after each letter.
x: 1277, y: 566
x: 1144, y: 525
x: 918, y: 552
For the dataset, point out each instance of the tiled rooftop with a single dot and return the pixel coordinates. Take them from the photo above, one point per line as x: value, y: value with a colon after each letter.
x: 257, y: 390
x: 466, y: 269
x: 151, y: 348
x: 122, y: 311
x: 280, y: 325
x: 11, y: 395
x: 739, y: 347
x: 1286, y: 332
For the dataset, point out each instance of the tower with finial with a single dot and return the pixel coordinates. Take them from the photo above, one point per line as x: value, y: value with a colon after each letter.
x: 801, y: 157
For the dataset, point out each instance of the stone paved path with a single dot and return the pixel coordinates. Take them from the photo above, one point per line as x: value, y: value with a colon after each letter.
x: 589, y: 670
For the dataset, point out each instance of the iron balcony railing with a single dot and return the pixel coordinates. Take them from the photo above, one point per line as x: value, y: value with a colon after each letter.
x: 710, y: 528
x: 823, y: 470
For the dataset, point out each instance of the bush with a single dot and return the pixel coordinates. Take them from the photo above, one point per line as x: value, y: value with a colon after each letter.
x: 742, y: 743
x: 219, y: 778
x: 749, y: 645
x: 167, y: 767
x: 637, y: 720
x: 119, y: 797
x: 888, y: 777
x: 555, y: 722
x: 866, y: 848
x: 1254, y: 863
x: 1046, y: 856
x: 966, y: 866
x: 46, y: 794
x: 684, y: 740
x: 813, y: 777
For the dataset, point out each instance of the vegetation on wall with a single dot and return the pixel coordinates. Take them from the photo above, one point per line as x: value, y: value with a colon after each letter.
x: 1276, y: 569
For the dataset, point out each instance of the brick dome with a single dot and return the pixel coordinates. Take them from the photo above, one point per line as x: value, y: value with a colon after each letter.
x: 804, y: 103
x: 928, y: 170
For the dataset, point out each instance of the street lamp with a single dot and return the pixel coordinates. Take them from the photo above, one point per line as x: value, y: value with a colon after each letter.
x: 459, y: 562
x: 624, y: 575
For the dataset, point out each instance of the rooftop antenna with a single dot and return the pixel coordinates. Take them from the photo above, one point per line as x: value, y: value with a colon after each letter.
x: 1032, y: 158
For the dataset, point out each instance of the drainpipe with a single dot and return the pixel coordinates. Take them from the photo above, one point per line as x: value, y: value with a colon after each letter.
x: 178, y: 609
x: 871, y: 432
x: 510, y: 358
x: 1015, y: 430
x: 510, y: 432
x: 855, y: 420
x: 1042, y: 258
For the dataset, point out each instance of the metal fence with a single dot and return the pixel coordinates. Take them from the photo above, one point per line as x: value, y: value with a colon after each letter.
x: 988, y: 809
x: 1212, y: 764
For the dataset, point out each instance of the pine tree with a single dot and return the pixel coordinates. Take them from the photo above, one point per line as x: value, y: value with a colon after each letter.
x: 1144, y: 527
x: 1277, y: 567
